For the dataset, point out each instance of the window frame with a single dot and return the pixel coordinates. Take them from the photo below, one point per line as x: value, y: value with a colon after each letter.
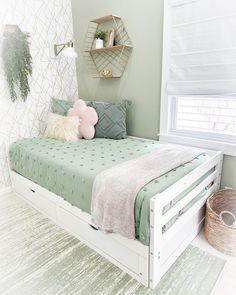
x: 215, y: 136
x: 168, y: 116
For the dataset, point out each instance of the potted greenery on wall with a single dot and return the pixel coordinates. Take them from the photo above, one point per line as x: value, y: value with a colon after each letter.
x: 17, y: 63
x: 99, y: 39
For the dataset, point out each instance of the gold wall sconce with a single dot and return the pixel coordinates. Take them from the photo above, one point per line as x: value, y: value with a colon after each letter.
x: 11, y: 29
x: 66, y: 48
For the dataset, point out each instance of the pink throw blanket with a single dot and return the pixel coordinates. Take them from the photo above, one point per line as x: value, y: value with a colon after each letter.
x: 115, y: 189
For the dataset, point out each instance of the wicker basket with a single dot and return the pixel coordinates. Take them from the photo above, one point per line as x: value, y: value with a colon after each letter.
x: 220, y: 227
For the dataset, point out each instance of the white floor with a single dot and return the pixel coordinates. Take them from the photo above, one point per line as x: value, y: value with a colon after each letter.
x: 227, y: 282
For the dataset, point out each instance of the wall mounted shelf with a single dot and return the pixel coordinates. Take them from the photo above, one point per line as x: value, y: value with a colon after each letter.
x: 106, y: 19
x: 110, y: 48
x: 112, y: 59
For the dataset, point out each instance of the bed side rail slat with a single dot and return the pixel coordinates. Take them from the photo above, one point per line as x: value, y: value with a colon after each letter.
x: 188, y: 198
x: 184, y: 218
x: 183, y: 184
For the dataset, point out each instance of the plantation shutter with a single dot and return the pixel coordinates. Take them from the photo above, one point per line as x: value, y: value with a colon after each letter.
x: 202, y: 47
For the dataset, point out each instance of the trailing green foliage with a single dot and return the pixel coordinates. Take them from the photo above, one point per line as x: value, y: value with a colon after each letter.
x: 17, y: 62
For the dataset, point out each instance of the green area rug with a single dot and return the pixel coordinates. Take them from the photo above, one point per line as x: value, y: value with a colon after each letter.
x: 38, y: 257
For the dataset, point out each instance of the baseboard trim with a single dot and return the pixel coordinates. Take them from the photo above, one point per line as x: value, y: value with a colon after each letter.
x: 6, y: 190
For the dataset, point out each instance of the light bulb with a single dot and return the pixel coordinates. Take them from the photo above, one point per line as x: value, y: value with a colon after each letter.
x: 70, y: 52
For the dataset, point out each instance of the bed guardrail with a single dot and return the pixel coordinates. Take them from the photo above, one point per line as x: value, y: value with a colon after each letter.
x: 158, y: 218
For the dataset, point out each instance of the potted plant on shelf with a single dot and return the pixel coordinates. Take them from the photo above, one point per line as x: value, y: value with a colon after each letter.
x: 99, y: 39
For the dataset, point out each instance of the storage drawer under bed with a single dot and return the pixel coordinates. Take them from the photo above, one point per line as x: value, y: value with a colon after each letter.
x: 91, y: 236
x: 32, y: 194
x: 132, y: 257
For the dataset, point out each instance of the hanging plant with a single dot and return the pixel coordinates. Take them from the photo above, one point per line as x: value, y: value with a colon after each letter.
x: 17, y: 63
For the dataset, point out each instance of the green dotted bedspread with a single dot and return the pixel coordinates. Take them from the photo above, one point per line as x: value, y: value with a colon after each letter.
x: 68, y: 169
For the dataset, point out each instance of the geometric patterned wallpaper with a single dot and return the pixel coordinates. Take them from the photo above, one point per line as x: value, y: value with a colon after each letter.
x: 48, y: 22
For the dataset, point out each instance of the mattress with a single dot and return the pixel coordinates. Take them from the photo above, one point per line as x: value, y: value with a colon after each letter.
x: 68, y: 169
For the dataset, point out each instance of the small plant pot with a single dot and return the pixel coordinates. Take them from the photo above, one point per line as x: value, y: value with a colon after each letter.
x: 99, y: 43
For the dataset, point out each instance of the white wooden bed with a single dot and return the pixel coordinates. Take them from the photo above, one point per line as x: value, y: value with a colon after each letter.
x: 147, y: 264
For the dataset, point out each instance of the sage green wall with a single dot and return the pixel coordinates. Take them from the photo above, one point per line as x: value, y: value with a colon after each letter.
x: 141, y: 81
x: 142, y: 77
x: 229, y: 172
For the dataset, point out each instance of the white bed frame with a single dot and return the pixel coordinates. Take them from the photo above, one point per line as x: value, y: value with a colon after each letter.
x: 147, y: 264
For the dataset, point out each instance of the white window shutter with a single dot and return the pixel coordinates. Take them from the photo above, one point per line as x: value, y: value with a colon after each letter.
x: 203, y: 47
x: 207, y: 114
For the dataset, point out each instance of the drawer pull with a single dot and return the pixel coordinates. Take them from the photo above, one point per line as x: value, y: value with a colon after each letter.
x: 93, y: 227
x: 32, y: 190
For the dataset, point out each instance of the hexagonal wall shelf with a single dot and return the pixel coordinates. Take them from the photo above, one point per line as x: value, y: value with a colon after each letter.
x: 109, y: 61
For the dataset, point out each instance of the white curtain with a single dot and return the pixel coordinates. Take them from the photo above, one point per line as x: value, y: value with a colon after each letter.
x: 202, y: 47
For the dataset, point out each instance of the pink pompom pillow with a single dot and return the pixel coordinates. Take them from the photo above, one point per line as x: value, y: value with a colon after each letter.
x: 88, y: 118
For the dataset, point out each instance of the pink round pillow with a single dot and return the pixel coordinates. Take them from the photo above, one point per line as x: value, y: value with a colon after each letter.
x: 88, y: 118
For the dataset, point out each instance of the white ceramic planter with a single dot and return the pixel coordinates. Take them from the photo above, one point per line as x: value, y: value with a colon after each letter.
x: 99, y: 43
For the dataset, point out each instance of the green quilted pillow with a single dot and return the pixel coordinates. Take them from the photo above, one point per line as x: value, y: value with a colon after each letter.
x: 111, y: 116
x: 111, y: 119
x: 61, y: 107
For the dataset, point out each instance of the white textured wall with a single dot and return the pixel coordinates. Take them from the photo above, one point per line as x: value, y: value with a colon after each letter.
x: 48, y: 22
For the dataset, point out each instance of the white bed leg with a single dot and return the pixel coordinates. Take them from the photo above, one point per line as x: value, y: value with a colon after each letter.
x: 155, y: 242
x: 219, y: 171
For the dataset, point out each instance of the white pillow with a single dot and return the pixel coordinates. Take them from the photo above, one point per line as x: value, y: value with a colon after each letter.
x: 60, y: 127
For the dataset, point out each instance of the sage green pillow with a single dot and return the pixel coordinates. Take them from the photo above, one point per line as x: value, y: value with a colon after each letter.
x: 111, y: 119
x: 61, y: 107
x: 111, y: 116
